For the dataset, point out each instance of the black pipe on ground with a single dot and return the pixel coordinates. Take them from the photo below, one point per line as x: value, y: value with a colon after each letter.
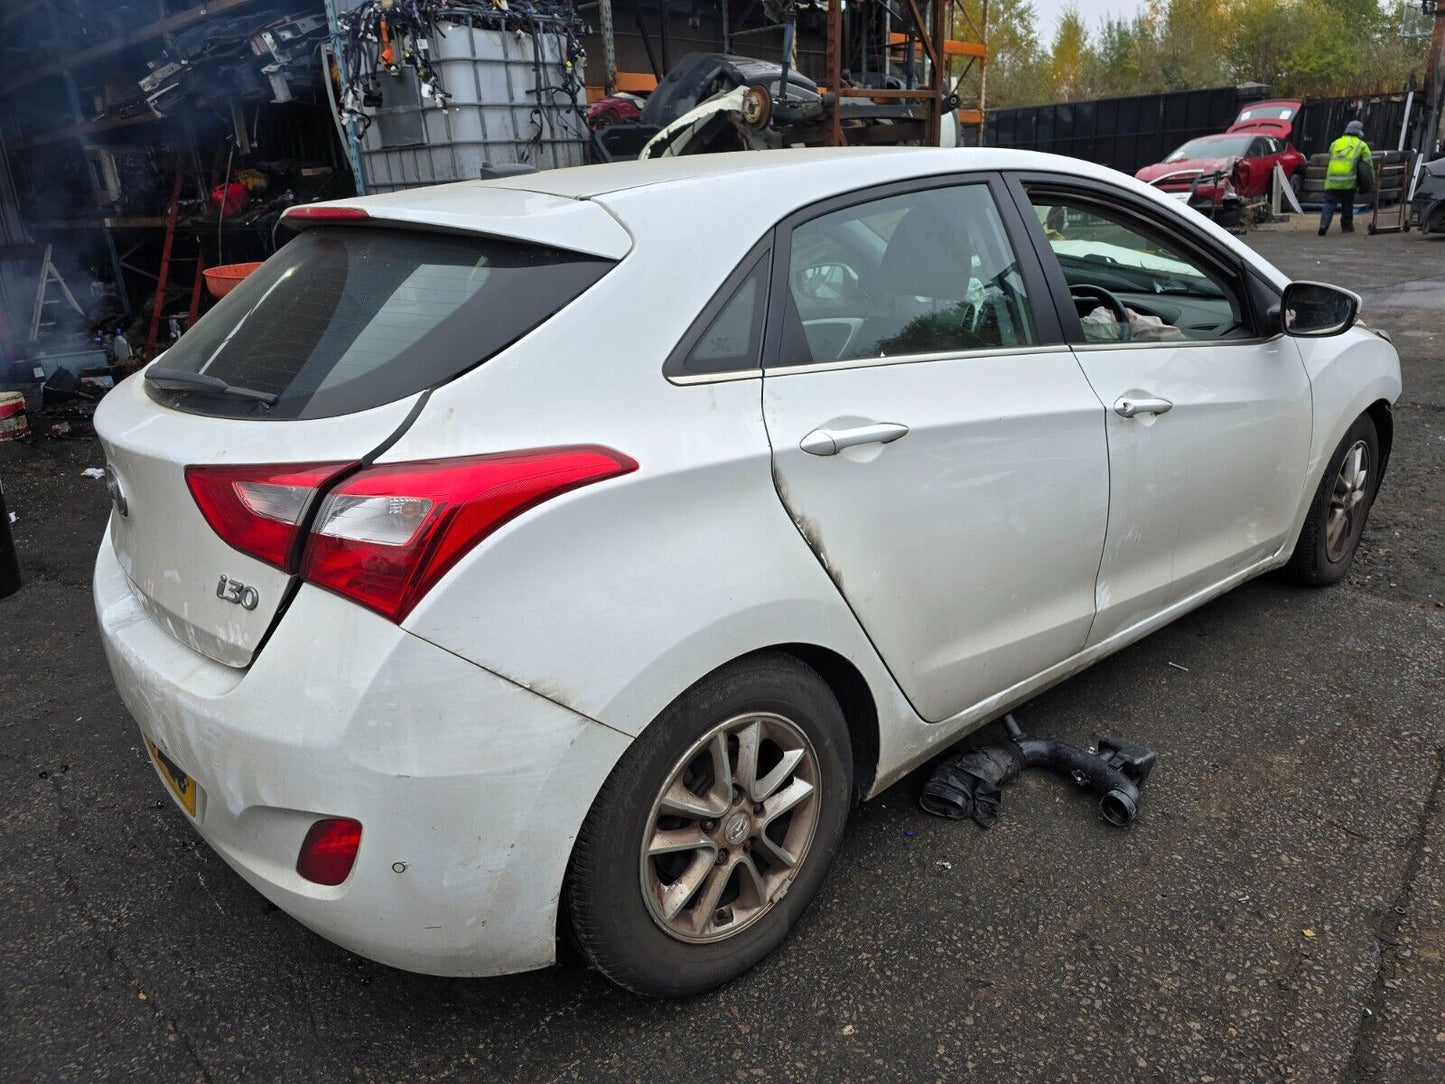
x: 968, y: 785
x: 9, y: 560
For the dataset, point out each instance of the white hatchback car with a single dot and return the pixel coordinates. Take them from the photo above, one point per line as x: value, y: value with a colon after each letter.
x: 579, y: 546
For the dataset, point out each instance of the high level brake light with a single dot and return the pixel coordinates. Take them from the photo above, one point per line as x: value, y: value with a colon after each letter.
x: 384, y: 536
x: 324, y: 213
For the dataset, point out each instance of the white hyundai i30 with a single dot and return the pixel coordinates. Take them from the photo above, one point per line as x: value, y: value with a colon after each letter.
x: 578, y: 547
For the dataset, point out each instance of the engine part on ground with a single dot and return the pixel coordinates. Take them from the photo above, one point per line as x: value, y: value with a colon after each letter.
x: 63, y: 386
x: 968, y: 785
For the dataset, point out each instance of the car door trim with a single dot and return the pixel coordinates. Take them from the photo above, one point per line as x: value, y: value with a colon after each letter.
x: 1049, y: 333
x: 913, y: 359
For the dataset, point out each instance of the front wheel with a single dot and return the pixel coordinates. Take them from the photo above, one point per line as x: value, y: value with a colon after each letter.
x: 714, y: 831
x: 1337, y: 515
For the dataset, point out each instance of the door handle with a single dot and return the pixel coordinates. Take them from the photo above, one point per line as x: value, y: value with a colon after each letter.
x: 833, y: 441
x: 1128, y: 408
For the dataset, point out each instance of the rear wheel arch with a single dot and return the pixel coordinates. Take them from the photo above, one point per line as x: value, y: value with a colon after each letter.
x: 619, y: 931
x: 860, y: 709
x: 855, y: 697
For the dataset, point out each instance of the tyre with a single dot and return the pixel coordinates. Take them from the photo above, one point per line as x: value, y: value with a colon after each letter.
x: 1297, y: 183
x: 1341, y: 504
x: 714, y: 831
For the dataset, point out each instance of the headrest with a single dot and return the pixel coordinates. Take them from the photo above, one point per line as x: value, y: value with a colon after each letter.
x: 927, y: 256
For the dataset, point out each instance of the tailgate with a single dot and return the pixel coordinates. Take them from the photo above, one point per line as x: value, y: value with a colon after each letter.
x: 174, y: 560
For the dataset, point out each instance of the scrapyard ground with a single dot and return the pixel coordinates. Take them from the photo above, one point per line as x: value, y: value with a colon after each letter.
x: 1278, y: 912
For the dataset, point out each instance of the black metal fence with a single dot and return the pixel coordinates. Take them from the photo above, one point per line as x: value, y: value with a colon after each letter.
x: 1123, y: 133
x: 1322, y: 121
x: 1129, y: 133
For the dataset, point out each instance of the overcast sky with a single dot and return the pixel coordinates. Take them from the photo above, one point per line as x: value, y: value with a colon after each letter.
x: 1093, y: 11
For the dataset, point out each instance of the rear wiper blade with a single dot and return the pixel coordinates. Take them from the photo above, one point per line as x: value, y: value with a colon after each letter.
x: 181, y: 380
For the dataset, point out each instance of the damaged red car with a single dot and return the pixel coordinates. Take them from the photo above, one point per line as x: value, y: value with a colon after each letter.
x: 1218, y: 174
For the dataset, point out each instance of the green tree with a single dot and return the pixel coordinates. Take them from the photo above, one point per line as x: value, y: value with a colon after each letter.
x: 1309, y: 48
x: 1069, y: 59
x: 1015, y: 61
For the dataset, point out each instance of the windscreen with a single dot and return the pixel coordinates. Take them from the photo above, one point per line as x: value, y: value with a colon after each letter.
x: 346, y: 318
x: 1226, y: 147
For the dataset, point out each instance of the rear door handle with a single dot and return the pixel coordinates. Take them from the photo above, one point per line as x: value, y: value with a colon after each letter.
x: 833, y: 441
x: 1128, y: 408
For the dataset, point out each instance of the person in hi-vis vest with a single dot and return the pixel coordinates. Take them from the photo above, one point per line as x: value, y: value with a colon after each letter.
x: 1346, y: 153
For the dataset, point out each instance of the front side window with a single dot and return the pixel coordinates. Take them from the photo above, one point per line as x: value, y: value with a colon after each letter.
x: 918, y: 273
x: 1131, y: 286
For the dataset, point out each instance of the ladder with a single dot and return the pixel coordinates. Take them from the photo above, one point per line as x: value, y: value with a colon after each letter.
x: 48, y: 276
x: 163, y: 278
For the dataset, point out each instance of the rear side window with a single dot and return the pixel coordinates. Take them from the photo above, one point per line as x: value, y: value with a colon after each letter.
x: 727, y: 335
x: 347, y: 318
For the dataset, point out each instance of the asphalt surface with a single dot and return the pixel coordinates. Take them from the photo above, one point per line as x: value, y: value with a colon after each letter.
x: 1278, y: 912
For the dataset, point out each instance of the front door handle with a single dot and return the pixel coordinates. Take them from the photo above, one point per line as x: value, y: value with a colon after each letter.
x: 833, y: 441
x: 1128, y: 408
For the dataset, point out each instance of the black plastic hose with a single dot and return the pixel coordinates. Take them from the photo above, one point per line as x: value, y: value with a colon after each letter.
x: 968, y: 785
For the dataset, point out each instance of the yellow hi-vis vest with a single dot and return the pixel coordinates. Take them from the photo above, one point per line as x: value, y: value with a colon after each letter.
x: 1344, y: 153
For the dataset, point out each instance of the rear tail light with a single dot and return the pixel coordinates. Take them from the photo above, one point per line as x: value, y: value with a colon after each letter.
x: 259, y: 509
x: 384, y: 536
x: 329, y: 850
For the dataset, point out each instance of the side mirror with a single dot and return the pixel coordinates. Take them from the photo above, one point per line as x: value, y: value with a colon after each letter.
x: 1316, y: 309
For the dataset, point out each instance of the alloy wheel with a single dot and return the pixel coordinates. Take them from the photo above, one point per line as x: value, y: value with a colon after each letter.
x: 1347, y: 502
x: 730, y: 828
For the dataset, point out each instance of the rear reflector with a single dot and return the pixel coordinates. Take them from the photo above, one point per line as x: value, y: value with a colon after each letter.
x: 323, y: 213
x: 259, y: 509
x: 384, y: 536
x: 329, y: 851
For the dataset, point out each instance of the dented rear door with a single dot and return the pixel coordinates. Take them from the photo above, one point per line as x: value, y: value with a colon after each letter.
x: 942, y: 453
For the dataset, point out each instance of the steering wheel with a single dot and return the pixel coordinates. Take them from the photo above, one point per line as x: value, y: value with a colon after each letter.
x: 1098, y: 293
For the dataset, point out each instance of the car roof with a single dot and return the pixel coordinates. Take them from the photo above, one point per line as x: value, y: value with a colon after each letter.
x: 814, y: 166
x: 605, y: 210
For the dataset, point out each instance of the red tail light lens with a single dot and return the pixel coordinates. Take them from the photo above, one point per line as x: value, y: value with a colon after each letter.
x: 387, y: 534
x: 259, y: 509
x: 329, y: 850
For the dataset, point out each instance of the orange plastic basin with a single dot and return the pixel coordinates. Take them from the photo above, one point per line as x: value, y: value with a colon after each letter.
x: 223, y: 279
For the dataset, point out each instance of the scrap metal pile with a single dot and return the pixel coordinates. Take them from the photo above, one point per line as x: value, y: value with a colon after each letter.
x: 262, y: 54
x: 389, y: 36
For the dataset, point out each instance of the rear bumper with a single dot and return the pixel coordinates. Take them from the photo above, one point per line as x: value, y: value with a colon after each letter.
x: 469, y: 788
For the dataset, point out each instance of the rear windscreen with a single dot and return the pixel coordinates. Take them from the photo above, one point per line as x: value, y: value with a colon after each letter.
x: 346, y: 318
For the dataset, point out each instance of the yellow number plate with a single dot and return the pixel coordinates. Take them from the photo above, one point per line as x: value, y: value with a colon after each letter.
x: 182, y: 785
